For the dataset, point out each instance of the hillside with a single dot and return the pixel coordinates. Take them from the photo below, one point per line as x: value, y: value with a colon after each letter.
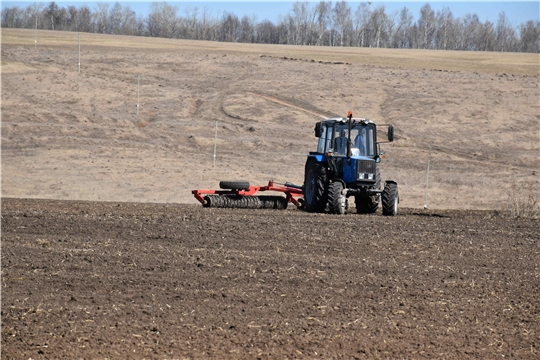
x: 74, y: 136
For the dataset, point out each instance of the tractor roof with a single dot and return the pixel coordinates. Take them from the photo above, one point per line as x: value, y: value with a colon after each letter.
x: 344, y: 120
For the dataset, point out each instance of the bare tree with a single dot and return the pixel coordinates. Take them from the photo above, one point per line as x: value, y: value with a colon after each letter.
x: 470, y: 26
x: 207, y: 25
x: 342, y: 21
x: 12, y: 17
x: 444, y: 28
x: 502, y: 32
x: 115, y: 19
x: 230, y: 25
x: 486, y: 37
x: 378, y: 21
x: 321, y: 24
x: 101, y: 16
x: 129, y: 22
x: 529, y: 39
x: 266, y: 32
x: 402, y: 38
x: 191, y: 23
x: 301, y: 15
x: 85, y: 19
x: 35, y: 12
x: 361, y: 25
x: 52, y: 13
x: 323, y: 15
x: 426, y: 24
x: 72, y: 23
x: 162, y: 20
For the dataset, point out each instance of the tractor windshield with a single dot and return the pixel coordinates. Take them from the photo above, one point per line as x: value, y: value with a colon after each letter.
x: 334, y: 139
x: 361, y: 138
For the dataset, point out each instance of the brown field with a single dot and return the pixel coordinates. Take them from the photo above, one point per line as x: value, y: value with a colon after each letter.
x: 106, y: 254
x: 94, y: 280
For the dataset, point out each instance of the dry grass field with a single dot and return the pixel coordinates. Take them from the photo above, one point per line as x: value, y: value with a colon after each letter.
x: 76, y: 136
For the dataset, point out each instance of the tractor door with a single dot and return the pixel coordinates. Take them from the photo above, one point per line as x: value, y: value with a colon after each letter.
x: 325, y: 140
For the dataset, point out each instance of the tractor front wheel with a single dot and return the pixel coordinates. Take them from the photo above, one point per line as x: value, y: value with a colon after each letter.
x: 366, y: 204
x: 390, y: 199
x: 336, y: 200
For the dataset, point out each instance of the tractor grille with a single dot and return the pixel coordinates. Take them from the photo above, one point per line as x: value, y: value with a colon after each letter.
x: 366, y: 171
x: 366, y: 167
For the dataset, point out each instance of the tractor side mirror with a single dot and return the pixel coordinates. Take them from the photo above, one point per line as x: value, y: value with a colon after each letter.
x: 318, y: 130
x: 390, y: 133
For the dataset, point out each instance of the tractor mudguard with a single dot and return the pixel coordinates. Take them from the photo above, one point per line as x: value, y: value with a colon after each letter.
x: 318, y: 157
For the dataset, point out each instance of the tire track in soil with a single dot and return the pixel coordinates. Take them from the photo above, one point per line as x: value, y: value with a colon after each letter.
x: 307, y: 108
x: 282, y: 102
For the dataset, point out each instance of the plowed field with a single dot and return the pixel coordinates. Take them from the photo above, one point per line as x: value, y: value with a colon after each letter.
x: 98, y: 280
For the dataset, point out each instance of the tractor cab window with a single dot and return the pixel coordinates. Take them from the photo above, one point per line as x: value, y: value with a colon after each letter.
x: 325, y: 140
x: 362, y: 142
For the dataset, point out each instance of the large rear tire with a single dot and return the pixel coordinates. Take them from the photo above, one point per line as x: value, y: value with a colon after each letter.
x: 390, y: 199
x: 336, y: 200
x: 315, y: 186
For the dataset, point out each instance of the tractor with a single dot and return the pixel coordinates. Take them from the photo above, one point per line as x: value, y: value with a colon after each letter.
x: 346, y: 164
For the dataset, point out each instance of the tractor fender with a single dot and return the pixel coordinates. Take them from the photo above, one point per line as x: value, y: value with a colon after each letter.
x: 318, y: 157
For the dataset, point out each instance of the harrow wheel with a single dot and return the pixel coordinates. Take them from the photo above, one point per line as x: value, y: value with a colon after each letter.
x: 234, y: 185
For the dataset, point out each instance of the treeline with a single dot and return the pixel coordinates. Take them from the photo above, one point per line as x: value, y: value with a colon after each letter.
x: 318, y: 24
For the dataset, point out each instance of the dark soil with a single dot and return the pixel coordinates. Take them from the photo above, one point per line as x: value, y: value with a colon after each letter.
x: 124, y: 280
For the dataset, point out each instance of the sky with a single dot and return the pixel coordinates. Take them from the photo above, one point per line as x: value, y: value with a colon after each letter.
x: 517, y: 12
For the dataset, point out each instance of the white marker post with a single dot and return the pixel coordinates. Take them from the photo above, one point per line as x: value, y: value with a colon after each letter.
x: 138, y: 85
x: 427, y: 183
x: 215, y: 145
x: 35, y: 41
x: 79, y: 63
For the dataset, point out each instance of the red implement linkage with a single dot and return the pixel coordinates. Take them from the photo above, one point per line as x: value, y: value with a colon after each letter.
x: 291, y: 191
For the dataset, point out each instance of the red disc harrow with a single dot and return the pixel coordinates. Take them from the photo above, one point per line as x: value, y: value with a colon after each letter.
x: 244, y: 196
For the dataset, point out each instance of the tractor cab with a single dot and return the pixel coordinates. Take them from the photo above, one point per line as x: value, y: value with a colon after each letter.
x: 334, y: 138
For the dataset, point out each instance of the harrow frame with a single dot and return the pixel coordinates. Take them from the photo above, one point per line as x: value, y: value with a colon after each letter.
x: 292, y: 192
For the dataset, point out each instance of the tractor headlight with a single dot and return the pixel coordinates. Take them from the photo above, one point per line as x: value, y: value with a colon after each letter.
x: 364, y: 176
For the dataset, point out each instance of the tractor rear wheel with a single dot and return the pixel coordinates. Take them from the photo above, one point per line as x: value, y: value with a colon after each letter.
x: 315, y: 185
x: 336, y: 200
x: 390, y: 199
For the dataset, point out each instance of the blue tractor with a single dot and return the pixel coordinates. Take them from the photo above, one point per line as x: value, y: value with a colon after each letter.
x: 346, y: 164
